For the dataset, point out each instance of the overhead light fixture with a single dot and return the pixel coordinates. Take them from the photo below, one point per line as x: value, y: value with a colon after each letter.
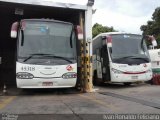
x: 19, y: 11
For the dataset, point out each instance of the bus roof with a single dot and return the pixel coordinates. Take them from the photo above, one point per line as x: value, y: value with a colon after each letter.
x: 112, y: 33
x: 47, y: 3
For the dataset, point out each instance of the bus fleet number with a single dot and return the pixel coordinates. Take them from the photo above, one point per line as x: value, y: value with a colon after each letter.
x: 25, y: 68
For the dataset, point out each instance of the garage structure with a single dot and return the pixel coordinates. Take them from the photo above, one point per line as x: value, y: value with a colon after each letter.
x: 15, y: 10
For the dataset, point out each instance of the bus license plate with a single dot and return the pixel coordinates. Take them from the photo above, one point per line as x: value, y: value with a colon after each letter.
x: 134, y: 77
x: 47, y: 84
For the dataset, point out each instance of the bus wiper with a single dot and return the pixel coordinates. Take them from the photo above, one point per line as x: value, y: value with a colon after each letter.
x: 128, y: 57
x: 62, y: 58
x: 145, y: 59
x: 134, y: 57
x: 47, y: 55
x: 31, y: 55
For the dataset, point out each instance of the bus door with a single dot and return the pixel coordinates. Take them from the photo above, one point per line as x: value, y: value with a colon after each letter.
x: 99, y: 64
x: 105, y: 63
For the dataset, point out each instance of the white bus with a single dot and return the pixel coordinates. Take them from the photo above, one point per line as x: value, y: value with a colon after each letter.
x: 120, y: 58
x: 155, y: 60
x: 46, y: 53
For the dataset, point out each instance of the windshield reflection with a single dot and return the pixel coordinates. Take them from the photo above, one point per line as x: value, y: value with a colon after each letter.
x: 128, y: 48
x: 49, y: 38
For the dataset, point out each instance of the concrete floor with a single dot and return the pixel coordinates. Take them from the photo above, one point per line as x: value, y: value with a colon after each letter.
x: 69, y: 104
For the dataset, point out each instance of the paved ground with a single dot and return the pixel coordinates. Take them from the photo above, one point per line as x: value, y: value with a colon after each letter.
x: 61, y: 104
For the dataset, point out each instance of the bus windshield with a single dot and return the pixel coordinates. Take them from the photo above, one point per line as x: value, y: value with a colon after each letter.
x: 128, y: 48
x: 46, y: 38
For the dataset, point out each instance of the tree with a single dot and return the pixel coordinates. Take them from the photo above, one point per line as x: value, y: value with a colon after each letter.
x: 153, y: 26
x: 98, y: 28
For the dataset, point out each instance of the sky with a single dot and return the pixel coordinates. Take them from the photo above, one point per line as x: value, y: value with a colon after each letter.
x: 123, y: 15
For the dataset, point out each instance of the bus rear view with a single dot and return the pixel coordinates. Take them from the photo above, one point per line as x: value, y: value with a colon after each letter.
x: 121, y: 57
x: 46, y: 54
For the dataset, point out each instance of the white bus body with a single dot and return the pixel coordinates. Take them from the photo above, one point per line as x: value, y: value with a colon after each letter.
x: 120, y: 58
x: 46, y: 54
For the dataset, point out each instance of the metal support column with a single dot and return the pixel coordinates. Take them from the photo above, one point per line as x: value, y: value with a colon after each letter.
x: 88, y: 50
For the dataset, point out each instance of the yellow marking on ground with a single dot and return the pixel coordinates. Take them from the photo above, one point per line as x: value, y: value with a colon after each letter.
x: 6, y: 101
x: 94, y: 99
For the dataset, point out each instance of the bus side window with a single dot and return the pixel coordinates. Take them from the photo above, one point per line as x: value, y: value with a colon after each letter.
x: 110, y: 49
x: 98, y: 54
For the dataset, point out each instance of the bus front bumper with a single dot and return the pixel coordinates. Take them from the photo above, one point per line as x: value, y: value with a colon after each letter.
x: 131, y: 77
x: 46, y: 83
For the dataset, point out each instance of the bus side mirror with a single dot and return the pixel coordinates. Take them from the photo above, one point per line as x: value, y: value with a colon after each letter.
x: 14, y: 30
x: 79, y: 32
x: 150, y: 47
x: 104, y: 37
x: 107, y: 40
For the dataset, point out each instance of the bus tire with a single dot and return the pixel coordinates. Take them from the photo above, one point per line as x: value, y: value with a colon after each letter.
x: 127, y: 83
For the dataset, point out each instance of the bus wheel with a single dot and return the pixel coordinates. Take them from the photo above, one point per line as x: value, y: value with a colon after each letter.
x: 96, y: 80
x: 127, y: 83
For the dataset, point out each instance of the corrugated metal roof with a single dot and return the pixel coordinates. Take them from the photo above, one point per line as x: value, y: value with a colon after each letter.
x: 47, y: 3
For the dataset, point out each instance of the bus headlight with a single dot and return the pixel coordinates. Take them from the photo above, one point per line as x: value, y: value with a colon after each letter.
x: 69, y: 75
x: 116, y: 71
x: 24, y: 75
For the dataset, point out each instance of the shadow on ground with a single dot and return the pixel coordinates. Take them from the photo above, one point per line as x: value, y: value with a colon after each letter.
x: 13, y: 91
x: 121, y: 86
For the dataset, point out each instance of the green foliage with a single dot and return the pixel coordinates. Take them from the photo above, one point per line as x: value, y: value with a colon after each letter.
x: 153, y: 26
x: 98, y: 28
